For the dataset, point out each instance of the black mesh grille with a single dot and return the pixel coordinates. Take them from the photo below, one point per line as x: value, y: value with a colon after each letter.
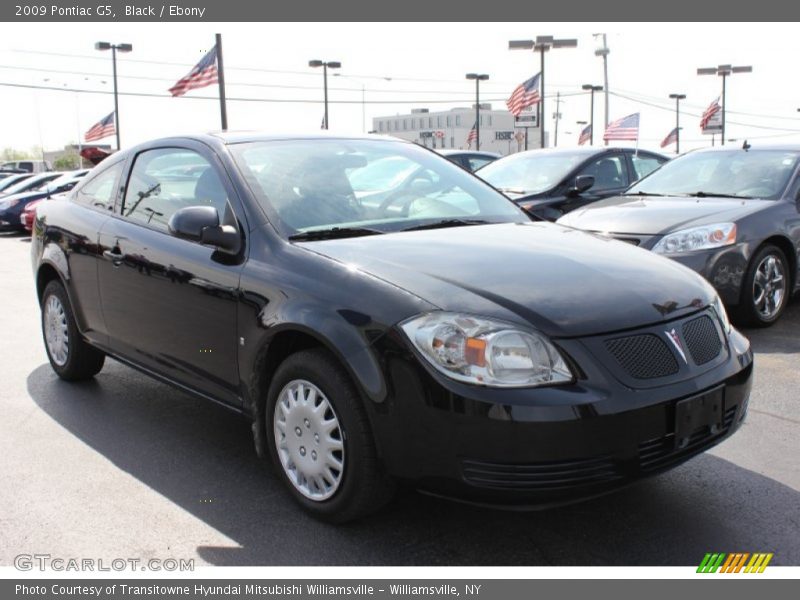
x: 549, y: 476
x: 702, y: 340
x: 643, y: 356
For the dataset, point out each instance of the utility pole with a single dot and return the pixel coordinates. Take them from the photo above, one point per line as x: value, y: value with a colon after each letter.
x: 604, y: 51
x: 557, y: 117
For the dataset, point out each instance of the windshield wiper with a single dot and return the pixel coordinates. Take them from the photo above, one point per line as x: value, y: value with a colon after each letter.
x: 702, y: 194
x: 446, y: 223
x: 643, y: 194
x: 333, y: 233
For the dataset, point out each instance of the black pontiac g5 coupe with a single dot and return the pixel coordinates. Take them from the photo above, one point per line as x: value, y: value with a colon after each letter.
x: 421, y: 331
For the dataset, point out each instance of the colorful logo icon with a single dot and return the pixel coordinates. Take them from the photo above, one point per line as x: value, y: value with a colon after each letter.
x: 735, y: 562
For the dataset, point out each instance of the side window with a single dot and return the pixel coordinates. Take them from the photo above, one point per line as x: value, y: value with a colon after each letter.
x: 644, y: 165
x: 165, y: 180
x: 608, y: 173
x: 476, y: 162
x: 100, y: 190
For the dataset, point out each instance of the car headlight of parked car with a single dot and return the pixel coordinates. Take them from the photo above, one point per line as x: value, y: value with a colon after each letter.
x: 719, y: 308
x: 697, y: 238
x: 486, y: 352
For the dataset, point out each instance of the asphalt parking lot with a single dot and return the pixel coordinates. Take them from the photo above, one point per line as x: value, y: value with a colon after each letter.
x: 128, y: 467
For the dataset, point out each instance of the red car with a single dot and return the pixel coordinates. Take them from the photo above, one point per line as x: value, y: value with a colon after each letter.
x: 29, y: 214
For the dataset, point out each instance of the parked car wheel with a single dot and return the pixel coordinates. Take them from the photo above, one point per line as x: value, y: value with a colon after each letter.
x: 320, y: 440
x: 70, y: 356
x: 765, y: 288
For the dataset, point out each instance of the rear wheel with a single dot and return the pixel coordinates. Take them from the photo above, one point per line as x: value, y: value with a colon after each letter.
x: 70, y: 356
x: 765, y: 287
x: 320, y: 440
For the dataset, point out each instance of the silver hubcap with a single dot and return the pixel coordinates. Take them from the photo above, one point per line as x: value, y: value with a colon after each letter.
x: 769, y: 287
x: 309, y: 440
x: 56, y: 333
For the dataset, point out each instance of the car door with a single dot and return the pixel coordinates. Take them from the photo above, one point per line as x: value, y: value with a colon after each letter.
x: 170, y: 304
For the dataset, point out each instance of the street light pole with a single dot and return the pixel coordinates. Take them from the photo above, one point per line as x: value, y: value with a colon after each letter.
x: 603, y: 52
x: 677, y: 98
x: 723, y: 71
x: 591, y: 89
x: 102, y: 46
x: 325, y: 65
x: 478, y: 77
x: 541, y: 44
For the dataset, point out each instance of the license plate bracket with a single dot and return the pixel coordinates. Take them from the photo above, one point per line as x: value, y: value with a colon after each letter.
x: 700, y: 412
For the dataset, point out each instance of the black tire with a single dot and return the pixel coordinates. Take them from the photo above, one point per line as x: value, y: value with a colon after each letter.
x: 82, y: 360
x: 748, y: 313
x: 363, y: 487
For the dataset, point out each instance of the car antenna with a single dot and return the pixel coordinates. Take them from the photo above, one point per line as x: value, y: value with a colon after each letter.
x: 745, y: 146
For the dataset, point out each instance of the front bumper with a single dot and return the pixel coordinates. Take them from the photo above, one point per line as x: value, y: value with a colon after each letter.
x: 536, y: 447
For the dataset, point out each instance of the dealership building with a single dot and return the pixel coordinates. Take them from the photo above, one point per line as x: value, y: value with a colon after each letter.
x: 500, y: 131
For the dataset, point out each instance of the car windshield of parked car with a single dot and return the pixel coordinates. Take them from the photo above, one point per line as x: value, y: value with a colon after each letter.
x: 365, y: 186
x: 32, y: 183
x: 10, y: 181
x: 529, y: 172
x: 735, y: 173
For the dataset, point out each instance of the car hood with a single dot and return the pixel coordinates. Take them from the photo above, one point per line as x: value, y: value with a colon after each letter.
x: 658, y: 215
x: 564, y: 282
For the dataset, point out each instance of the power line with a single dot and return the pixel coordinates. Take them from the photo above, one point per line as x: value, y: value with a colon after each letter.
x: 239, y: 99
x: 672, y: 109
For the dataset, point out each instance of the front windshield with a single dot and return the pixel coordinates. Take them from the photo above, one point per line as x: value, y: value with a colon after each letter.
x: 374, y: 186
x: 529, y: 172
x: 738, y: 173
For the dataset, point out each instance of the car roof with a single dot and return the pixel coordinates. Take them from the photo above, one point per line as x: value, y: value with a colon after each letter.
x: 454, y: 152
x: 756, y: 148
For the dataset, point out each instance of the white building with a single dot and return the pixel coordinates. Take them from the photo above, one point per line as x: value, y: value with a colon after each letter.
x: 450, y: 129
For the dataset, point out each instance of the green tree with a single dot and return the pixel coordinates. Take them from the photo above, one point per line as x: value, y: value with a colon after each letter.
x: 13, y: 154
x: 67, y: 162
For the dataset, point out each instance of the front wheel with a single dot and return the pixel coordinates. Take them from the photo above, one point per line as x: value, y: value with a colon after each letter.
x: 765, y: 287
x: 320, y: 440
x: 70, y: 356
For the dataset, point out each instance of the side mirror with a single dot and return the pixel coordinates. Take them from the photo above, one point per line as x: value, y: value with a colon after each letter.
x: 581, y: 184
x: 201, y: 224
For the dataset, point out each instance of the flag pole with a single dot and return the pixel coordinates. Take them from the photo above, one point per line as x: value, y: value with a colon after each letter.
x: 223, y: 109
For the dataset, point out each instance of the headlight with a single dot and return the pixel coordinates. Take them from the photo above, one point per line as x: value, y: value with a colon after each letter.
x: 697, y: 238
x: 486, y: 352
x: 719, y: 308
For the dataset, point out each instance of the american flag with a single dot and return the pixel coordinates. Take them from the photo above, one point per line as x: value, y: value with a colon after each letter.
x: 202, y: 74
x: 586, y: 135
x: 626, y: 128
x: 712, y: 109
x: 671, y: 138
x: 103, y: 128
x: 526, y: 94
x: 472, y: 135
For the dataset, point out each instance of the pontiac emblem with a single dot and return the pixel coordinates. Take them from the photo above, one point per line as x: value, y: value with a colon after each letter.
x: 676, y: 341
